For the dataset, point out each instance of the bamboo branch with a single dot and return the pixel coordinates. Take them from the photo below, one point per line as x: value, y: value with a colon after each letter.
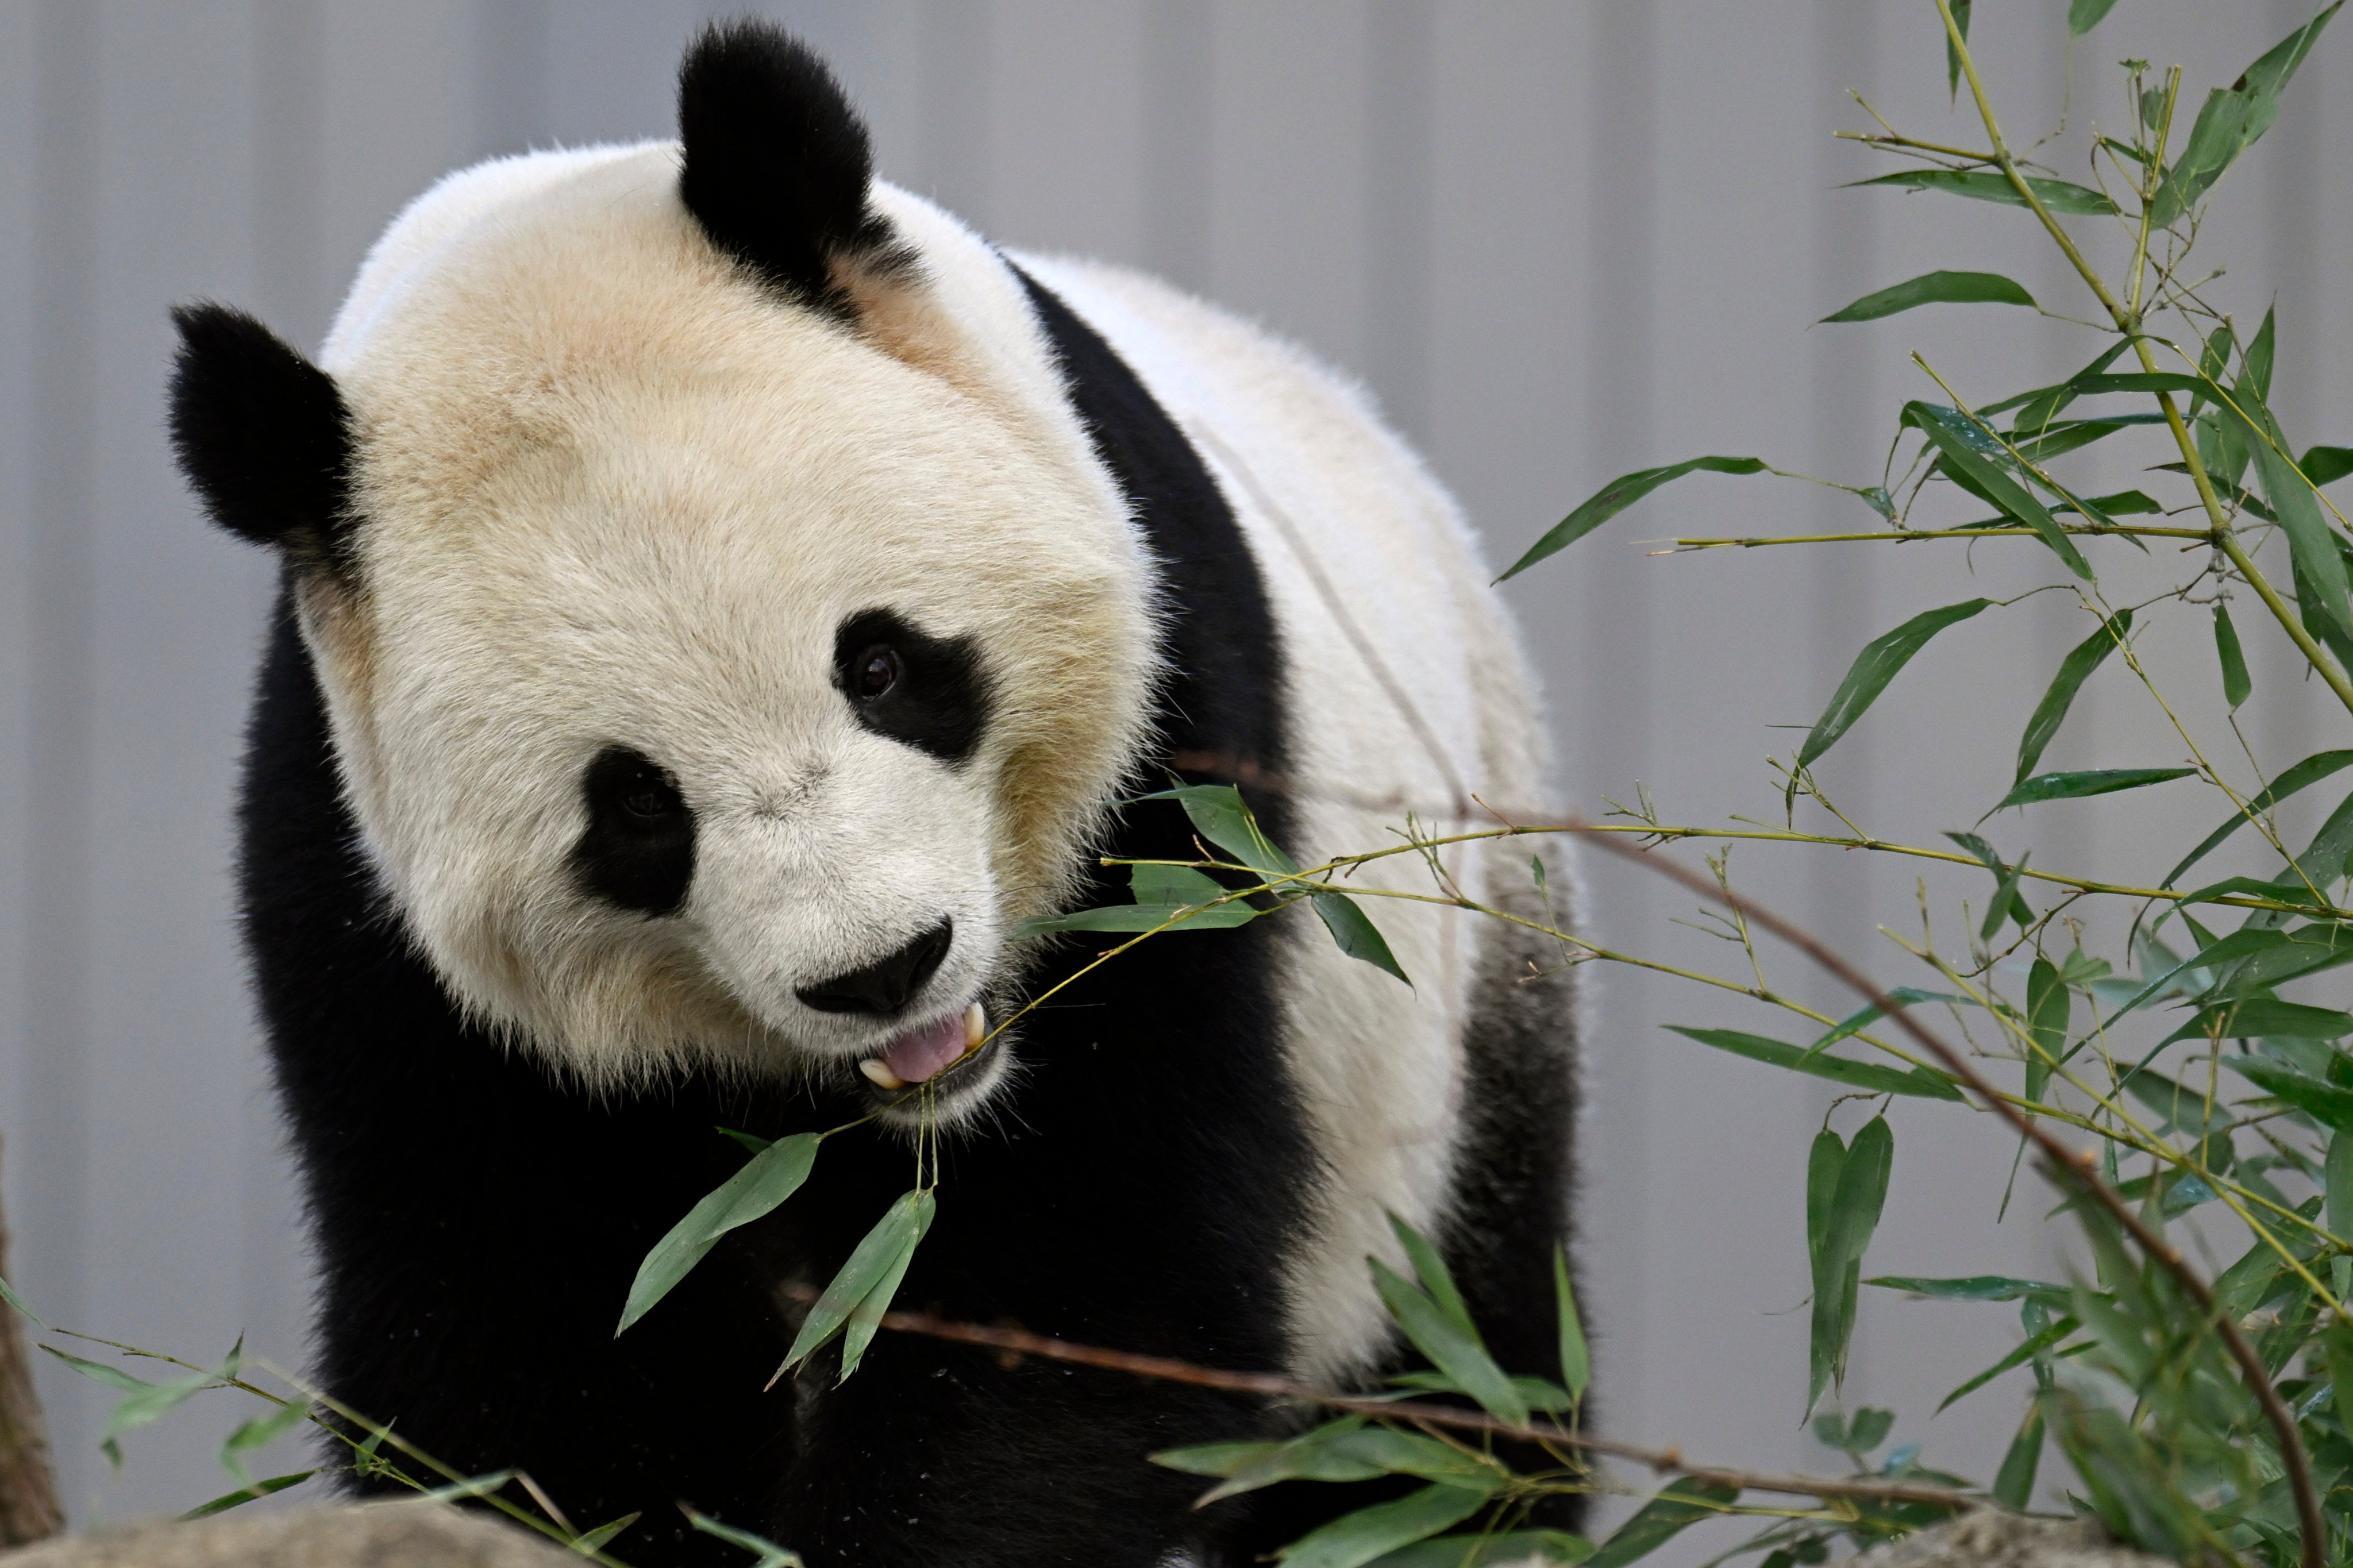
x: 2079, y: 1168
x: 1271, y: 1385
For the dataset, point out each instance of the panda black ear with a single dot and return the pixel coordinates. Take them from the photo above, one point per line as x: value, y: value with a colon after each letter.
x: 776, y: 162
x: 261, y: 433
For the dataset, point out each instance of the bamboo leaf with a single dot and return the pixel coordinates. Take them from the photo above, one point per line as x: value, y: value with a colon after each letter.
x: 1616, y: 496
x: 2058, y: 195
x: 1431, y: 1269
x: 1674, y: 1509
x: 2301, y: 777
x: 1976, y: 1288
x: 1961, y: 441
x: 2013, y: 1485
x: 2073, y: 670
x: 1920, y: 1082
x: 1841, y: 1235
x: 2081, y: 785
x: 2236, y: 685
x: 2083, y: 15
x: 1576, y: 1362
x: 1355, y: 931
x: 1880, y: 662
x: 2326, y: 1103
x: 259, y: 1433
x: 1177, y: 885
x: 1355, y: 1539
x: 2309, y: 538
x: 2048, y: 1004
x: 1452, y: 1348
x: 2027, y: 1349
x: 1855, y: 1023
x: 1961, y: 10
x: 880, y: 1256
x: 2337, y: 1185
x: 766, y: 1180
x: 594, y: 1540
x: 2326, y: 465
x: 259, y: 1489
x: 1133, y: 918
x: 1519, y: 1547
x: 1936, y: 288
x: 769, y: 1555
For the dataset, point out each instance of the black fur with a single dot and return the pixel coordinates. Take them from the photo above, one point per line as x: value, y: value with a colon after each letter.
x: 478, y: 1221
x: 638, y: 850
x: 938, y: 701
x: 776, y: 162
x: 261, y: 433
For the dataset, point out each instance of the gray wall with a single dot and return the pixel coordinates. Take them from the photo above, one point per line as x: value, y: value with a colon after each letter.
x: 1560, y: 240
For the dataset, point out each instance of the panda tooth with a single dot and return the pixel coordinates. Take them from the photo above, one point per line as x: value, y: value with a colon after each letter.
x: 976, y: 1026
x: 882, y: 1077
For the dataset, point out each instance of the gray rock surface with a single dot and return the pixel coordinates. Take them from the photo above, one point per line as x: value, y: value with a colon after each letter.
x: 366, y: 1535
x: 1991, y: 1539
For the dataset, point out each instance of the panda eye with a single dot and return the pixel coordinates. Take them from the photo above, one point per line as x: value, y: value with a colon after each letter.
x: 876, y: 672
x: 650, y: 797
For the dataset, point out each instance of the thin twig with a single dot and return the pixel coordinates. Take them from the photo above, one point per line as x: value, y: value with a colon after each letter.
x: 1271, y: 1385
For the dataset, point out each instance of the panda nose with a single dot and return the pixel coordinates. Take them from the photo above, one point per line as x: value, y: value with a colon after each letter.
x: 884, y: 985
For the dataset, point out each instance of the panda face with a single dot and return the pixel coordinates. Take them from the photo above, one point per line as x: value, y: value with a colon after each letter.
x: 711, y: 684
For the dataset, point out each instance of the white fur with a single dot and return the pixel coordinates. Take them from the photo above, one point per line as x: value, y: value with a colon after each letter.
x: 613, y: 493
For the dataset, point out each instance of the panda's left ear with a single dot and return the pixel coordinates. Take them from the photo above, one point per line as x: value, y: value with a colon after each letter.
x: 260, y: 432
x: 776, y: 165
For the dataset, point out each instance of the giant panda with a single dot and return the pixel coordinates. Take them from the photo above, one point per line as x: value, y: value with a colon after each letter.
x: 723, y: 597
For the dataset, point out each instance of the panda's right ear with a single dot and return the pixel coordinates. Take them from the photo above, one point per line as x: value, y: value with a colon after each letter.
x: 261, y: 433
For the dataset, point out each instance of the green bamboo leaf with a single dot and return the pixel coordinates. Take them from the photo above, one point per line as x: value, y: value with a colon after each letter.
x: 2326, y: 465
x: 1936, y: 288
x: 2309, y: 539
x: 1452, y: 1347
x: 2236, y: 685
x: 1961, y: 10
x: 2048, y: 1005
x: 767, y: 1179
x: 1133, y: 918
x: 1616, y: 496
x: 1514, y: 1546
x: 881, y: 1255
x: 99, y: 1372
x: 259, y: 1433
x: 1355, y: 1539
x: 2231, y: 120
x: 2028, y: 1349
x: 1433, y: 1274
x: 594, y: 1540
x: 1976, y: 1288
x: 2141, y: 381
x: 1674, y: 1509
x: 2057, y: 195
x: 1879, y: 662
x: 1961, y: 444
x: 1855, y: 1023
x: 2337, y: 1340
x: 769, y: 1555
x: 1317, y: 1456
x: 1172, y: 884
x: 2081, y: 786
x: 259, y: 1489
x: 866, y: 1316
x: 1852, y: 1215
x: 2073, y: 670
x: 2040, y: 405
x: 2013, y: 1485
x: 2336, y: 1188
x: 2007, y: 899
x: 2083, y: 15
x: 1920, y: 1082
x: 2259, y: 1017
x: 2326, y: 1103
x: 17, y: 1304
x: 1396, y: 1453
x: 2309, y: 772
x: 1576, y: 1362
x: 1219, y: 816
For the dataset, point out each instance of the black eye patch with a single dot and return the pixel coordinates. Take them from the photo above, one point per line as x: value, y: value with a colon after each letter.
x: 638, y: 850
x: 926, y: 692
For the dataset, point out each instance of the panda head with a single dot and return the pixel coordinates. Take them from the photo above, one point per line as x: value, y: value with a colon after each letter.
x: 724, y: 631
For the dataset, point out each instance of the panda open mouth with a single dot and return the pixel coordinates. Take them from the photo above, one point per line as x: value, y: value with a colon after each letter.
x: 920, y: 1054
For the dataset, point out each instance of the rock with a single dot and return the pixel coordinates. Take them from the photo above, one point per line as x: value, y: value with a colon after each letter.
x: 1988, y: 1538
x: 364, y: 1535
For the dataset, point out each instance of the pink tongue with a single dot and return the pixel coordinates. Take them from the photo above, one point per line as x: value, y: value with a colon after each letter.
x: 918, y: 1055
